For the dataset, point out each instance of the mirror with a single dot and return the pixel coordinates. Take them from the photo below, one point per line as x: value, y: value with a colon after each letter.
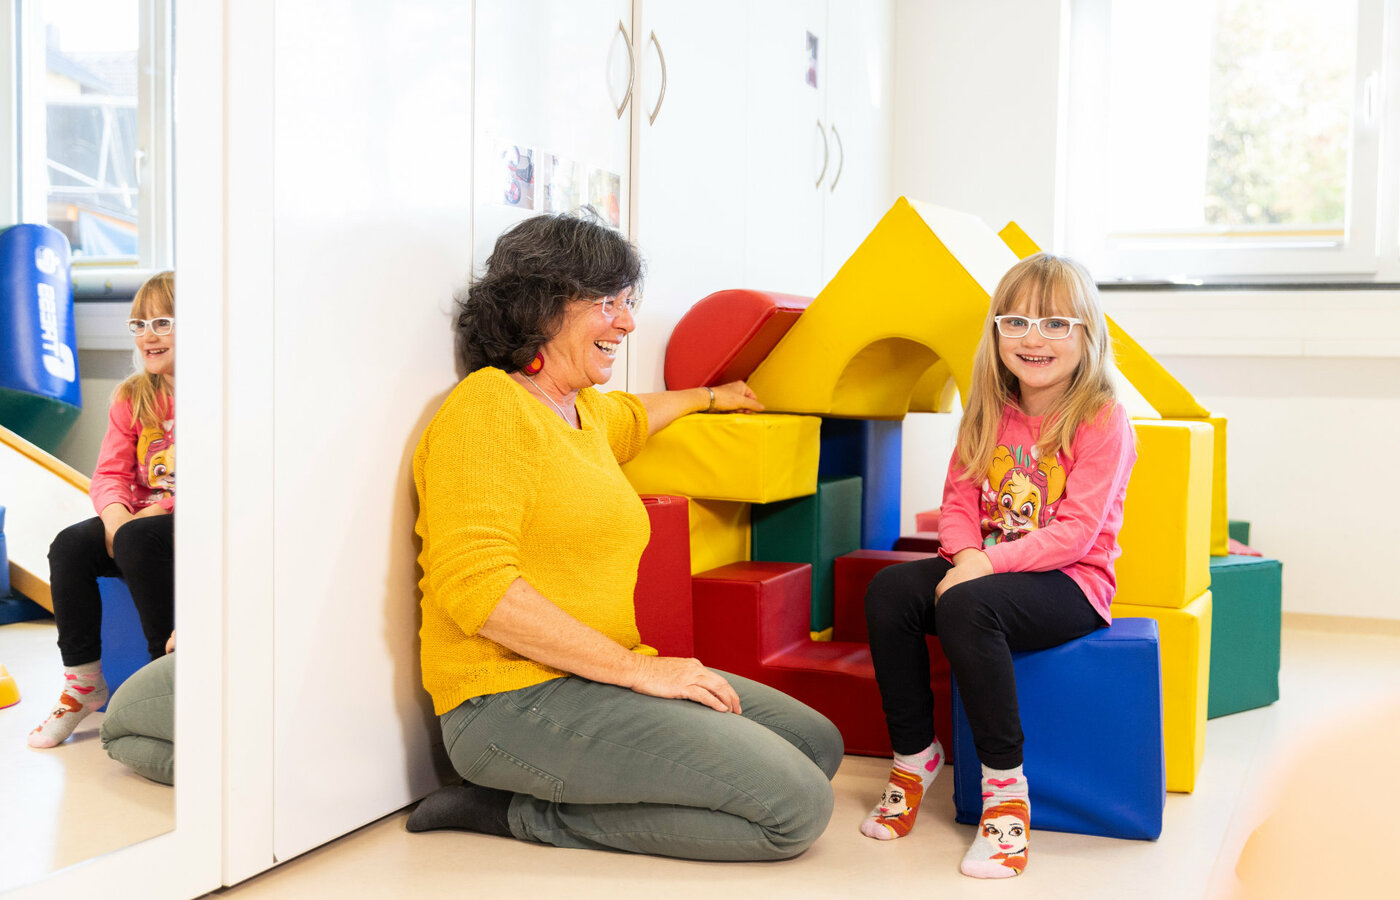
x: 87, y: 71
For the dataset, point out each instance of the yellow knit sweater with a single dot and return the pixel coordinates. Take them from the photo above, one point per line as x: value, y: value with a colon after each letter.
x: 506, y: 490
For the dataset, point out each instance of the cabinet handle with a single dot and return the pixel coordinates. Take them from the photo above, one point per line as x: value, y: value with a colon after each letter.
x: 651, y: 120
x: 840, y: 160
x: 826, y: 154
x: 631, y: 67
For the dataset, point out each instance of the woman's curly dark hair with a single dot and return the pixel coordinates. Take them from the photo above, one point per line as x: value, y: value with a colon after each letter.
x: 536, y: 268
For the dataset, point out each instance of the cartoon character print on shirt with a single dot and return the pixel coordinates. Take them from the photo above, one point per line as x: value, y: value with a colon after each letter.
x: 155, y: 452
x: 1020, y: 495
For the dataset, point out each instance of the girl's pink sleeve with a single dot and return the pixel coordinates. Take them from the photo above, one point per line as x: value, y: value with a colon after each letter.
x: 959, y: 525
x: 1103, y: 460
x: 116, y: 461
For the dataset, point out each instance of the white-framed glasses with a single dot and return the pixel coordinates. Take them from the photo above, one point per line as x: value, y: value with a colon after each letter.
x: 1052, y: 328
x: 161, y: 325
x: 613, y: 306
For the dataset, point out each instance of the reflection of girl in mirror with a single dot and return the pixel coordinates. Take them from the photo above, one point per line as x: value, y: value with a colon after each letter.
x: 133, y: 491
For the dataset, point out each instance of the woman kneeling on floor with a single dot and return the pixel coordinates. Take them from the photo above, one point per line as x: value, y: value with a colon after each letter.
x: 566, y: 728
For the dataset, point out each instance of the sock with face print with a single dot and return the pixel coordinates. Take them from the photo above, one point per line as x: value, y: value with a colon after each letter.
x: 1002, y: 845
x: 84, y: 692
x: 910, y: 777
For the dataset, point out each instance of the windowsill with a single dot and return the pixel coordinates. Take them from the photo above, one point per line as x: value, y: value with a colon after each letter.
x: 1311, y: 321
x: 1116, y: 286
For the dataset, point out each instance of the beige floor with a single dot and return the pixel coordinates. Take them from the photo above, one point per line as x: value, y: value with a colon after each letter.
x: 61, y: 806
x: 1328, y: 679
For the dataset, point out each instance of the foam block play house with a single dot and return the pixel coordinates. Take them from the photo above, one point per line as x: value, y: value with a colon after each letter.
x: 793, y: 511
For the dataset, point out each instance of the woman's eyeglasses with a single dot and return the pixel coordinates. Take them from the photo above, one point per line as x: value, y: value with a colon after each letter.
x: 613, y: 306
x: 1052, y: 328
x: 159, y: 326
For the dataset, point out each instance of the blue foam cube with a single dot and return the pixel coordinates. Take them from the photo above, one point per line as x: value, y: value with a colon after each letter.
x: 123, y: 641
x: 1091, y: 711
x: 872, y: 449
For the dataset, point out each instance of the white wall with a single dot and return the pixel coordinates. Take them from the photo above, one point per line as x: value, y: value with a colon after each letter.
x: 1308, y: 381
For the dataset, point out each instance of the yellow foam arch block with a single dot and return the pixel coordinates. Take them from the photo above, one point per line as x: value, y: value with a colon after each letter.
x: 720, y: 534
x: 1185, y: 647
x: 914, y: 294
x: 1219, y: 514
x: 1166, y: 515
x: 750, y: 458
x: 936, y: 391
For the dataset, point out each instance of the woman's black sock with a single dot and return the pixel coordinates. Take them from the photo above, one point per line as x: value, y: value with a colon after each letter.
x: 465, y: 807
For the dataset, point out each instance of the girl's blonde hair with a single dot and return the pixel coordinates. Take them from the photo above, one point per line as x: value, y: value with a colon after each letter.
x: 1039, y: 285
x: 149, y: 394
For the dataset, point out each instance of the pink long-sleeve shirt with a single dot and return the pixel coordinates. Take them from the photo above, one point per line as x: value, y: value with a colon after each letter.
x: 1034, y: 515
x: 136, y: 465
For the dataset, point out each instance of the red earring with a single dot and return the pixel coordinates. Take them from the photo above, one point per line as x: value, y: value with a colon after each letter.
x: 535, y: 365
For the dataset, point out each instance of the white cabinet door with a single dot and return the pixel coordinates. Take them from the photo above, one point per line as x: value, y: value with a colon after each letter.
x: 790, y: 156
x: 690, y: 177
x: 551, y: 78
x: 859, y: 104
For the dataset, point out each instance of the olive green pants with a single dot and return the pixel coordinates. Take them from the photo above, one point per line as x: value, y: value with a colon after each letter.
x: 598, y: 766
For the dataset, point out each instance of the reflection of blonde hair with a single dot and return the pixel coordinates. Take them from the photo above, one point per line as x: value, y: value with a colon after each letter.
x: 149, y: 394
x: 1039, y: 285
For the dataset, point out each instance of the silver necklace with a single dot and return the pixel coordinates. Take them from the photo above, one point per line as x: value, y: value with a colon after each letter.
x: 563, y: 414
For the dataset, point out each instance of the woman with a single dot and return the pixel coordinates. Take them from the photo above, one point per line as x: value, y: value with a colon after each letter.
x: 566, y: 728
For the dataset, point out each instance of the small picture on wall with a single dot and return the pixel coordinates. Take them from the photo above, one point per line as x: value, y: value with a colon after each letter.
x: 517, y: 176
x: 559, y: 177
x: 605, y: 194
x: 811, y: 59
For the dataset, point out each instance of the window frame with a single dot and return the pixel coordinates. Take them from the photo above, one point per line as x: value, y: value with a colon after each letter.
x: 23, y: 162
x: 1368, y: 253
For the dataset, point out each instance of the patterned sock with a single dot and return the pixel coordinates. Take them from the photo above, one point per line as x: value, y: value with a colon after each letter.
x: 910, y: 776
x: 1002, y: 846
x: 84, y: 691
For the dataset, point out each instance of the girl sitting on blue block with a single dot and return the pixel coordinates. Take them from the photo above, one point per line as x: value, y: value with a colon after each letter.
x: 1031, y: 510
x: 133, y: 491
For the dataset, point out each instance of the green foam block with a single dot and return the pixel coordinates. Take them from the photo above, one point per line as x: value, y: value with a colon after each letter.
x: 813, y: 530
x: 1239, y: 530
x: 1244, y: 633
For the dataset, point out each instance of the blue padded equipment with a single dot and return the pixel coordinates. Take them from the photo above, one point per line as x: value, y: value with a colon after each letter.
x: 1091, y: 711
x: 123, y: 641
x: 40, y: 393
x: 872, y: 449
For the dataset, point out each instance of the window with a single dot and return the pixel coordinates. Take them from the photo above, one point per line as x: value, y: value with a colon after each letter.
x: 1227, y: 140
x: 90, y: 84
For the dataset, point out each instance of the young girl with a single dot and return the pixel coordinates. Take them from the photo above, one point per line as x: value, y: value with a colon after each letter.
x: 133, y: 491
x: 1031, y: 510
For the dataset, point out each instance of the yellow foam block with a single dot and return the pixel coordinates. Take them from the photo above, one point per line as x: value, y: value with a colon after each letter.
x: 1166, y: 515
x: 1219, y: 513
x: 936, y: 391
x: 823, y: 635
x: 1185, y: 647
x: 753, y: 458
x: 720, y: 534
x: 914, y: 294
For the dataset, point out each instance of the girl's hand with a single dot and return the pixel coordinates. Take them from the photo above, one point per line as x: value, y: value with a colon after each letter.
x: 968, y: 564
x: 114, y: 516
x: 735, y: 396
x: 155, y: 509
x: 676, y: 678
x: 170, y: 643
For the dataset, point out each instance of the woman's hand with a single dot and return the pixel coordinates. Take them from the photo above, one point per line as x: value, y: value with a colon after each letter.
x: 736, y: 396
x: 676, y: 678
x: 967, y: 565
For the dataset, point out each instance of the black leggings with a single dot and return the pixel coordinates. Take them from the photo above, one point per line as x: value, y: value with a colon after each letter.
x: 145, y: 557
x: 979, y: 623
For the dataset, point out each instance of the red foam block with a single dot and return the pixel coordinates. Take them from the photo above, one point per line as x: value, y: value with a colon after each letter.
x: 663, y: 594
x: 928, y: 519
x: 1239, y: 549
x: 852, y: 574
x: 726, y: 335
x: 920, y: 542
x: 751, y: 619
